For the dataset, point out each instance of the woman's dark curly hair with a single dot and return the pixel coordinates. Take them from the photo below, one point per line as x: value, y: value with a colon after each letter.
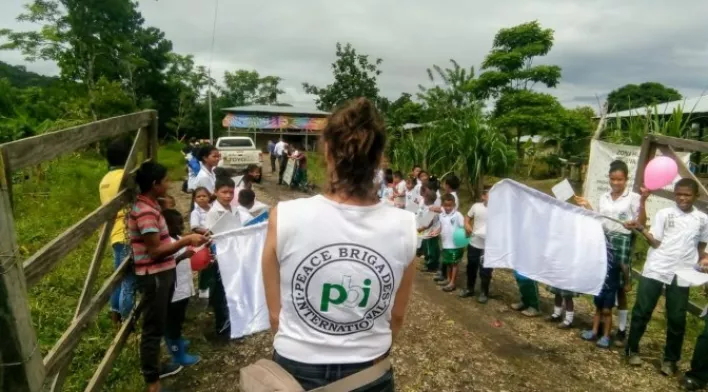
x: 354, y: 141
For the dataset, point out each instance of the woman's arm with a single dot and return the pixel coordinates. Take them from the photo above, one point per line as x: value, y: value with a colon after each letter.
x: 403, y: 296
x: 271, y: 271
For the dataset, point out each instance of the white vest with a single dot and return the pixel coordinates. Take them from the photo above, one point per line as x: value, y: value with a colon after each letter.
x: 340, y: 269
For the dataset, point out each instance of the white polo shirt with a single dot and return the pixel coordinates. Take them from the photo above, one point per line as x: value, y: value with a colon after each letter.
x: 448, y: 224
x: 279, y: 148
x: 205, y: 178
x: 625, y: 208
x: 478, y: 212
x: 679, y: 233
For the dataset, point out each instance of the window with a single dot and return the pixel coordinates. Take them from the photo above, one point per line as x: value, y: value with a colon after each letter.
x: 240, y: 142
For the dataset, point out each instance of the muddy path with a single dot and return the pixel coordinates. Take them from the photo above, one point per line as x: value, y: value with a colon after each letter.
x: 449, y: 343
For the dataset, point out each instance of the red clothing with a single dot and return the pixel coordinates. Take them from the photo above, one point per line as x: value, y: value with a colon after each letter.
x: 145, y: 217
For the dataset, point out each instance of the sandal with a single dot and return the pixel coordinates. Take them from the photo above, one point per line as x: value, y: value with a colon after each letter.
x: 449, y: 288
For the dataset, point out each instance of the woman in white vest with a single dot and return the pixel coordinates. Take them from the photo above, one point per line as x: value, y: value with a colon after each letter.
x: 338, y: 267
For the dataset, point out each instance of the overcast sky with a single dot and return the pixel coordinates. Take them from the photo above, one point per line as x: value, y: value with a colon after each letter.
x: 600, y: 44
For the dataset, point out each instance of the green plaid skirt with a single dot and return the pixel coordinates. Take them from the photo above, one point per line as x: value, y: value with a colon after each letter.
x: 452, y: 256
x: 622, y: 245
x: 562, y: 293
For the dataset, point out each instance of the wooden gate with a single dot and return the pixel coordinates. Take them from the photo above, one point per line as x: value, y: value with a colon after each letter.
x: 22, y: 367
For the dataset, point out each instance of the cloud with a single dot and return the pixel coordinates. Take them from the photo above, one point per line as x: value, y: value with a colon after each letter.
x: 600, y: 44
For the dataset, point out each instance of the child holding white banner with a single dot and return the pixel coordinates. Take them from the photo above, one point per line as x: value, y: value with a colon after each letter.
x: 625, y: 206
x: 224, y: 192
x: 184, y: 289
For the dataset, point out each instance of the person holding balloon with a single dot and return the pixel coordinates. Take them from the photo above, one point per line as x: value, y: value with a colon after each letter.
x: 622, y: 205
x: 678, y: 237
x: 454, y: 239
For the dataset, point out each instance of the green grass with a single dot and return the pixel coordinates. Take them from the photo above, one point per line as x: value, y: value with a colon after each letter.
x: 54, y: 197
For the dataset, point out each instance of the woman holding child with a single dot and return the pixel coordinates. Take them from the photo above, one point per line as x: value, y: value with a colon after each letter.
x: 337, y: 292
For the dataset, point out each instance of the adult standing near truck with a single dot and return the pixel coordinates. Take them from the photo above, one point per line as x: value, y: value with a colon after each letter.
x: 271, y: 155
x: 282, y: 156
x: 338, y: 291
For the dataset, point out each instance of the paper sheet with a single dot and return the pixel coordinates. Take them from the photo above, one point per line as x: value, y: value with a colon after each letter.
x: 692, y: 277
x: 563, y: 190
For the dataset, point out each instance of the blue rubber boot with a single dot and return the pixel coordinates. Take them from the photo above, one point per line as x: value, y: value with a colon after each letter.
x: 179, y: 353
x: 186, y: 342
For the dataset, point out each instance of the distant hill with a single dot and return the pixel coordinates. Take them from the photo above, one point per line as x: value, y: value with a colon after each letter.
x: 20, y: 77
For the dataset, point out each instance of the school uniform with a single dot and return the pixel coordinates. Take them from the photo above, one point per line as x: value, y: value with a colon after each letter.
x: 528, y: 290
x: 608, y: 294
x: 217, y: 297
x: 699, y: 362
x: 411, y: 203
x: 475, y: 249
x: 387, y: 196
x: 197, y: 219
x: 624, y: 208
x: 680, y: 233
x: 205, y: 178
x: 451, y: 254
x: 430, y: 246
x: 400, y: 201
x: 184, y: 289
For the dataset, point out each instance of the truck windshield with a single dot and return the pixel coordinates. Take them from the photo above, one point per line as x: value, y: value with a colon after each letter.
x: 235, y: 143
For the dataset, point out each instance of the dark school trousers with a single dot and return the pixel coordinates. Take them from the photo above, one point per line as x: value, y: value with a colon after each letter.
x: 648, y: 295
x: 175, y: 319
x: 272, y: 162
x: 217, y: 300
x: 528, y: 290
x: 699, y: 363
x: 431, y: 249
x: 474, y: 267
x: 157, y: 294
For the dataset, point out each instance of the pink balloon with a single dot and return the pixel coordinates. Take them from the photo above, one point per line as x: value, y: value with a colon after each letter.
x: 660, y: 172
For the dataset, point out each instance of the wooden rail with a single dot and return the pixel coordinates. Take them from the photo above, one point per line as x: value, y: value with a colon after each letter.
x: 22, y: 367
x: 666, y: 145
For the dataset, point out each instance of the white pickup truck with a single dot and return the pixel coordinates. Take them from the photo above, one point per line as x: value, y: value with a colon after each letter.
x: 238, y: 152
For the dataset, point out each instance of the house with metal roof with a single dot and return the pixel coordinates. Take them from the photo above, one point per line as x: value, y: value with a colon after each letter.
x: 293, y: 124
x: 696, y: 107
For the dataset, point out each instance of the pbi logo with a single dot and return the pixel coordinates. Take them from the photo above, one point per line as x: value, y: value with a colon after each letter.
x: 341, y: 289
x: 345, y: 294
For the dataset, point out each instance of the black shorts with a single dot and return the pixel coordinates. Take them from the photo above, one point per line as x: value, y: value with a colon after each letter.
x: 606, y: 299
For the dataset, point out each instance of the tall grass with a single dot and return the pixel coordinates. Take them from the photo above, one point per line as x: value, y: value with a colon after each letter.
x: 50, y: 200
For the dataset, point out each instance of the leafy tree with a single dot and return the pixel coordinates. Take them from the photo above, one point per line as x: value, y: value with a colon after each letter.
x: 404, y: 110
x: 510, y: 75
x: 244, y: 87
x: 188, y: 81
x: 646, y: 94
x: 354, y: 76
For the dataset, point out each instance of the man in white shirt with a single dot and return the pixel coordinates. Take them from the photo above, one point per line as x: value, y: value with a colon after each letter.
x: 678, y: 237
x: 282, y: 156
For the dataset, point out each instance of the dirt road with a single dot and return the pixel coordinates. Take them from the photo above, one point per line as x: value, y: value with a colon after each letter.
x: 452, y: 344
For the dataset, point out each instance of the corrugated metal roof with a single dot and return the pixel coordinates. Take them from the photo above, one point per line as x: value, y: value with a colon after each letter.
x: 273, y: 109
x: 696, y: 105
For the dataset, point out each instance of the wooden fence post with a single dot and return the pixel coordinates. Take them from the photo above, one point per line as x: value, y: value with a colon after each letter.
x: 21, y: 368
x: 152, y: 141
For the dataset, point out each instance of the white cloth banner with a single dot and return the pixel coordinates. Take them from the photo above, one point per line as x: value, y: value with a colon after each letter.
x: 545, y: 239
x: 239, y: 254
x: 597, y: 182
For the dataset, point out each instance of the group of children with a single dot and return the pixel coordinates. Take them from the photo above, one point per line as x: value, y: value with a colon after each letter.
x: 677, y: 238
x: 207, y: 208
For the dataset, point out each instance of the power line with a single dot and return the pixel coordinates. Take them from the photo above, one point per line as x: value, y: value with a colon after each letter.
x: 211, y: 57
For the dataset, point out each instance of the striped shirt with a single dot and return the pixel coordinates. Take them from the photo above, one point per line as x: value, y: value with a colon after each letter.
x: 145, y: 218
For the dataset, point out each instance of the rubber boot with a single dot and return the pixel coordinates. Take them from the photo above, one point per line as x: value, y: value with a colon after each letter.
x: 186, y: 342
x: 179, y: 353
